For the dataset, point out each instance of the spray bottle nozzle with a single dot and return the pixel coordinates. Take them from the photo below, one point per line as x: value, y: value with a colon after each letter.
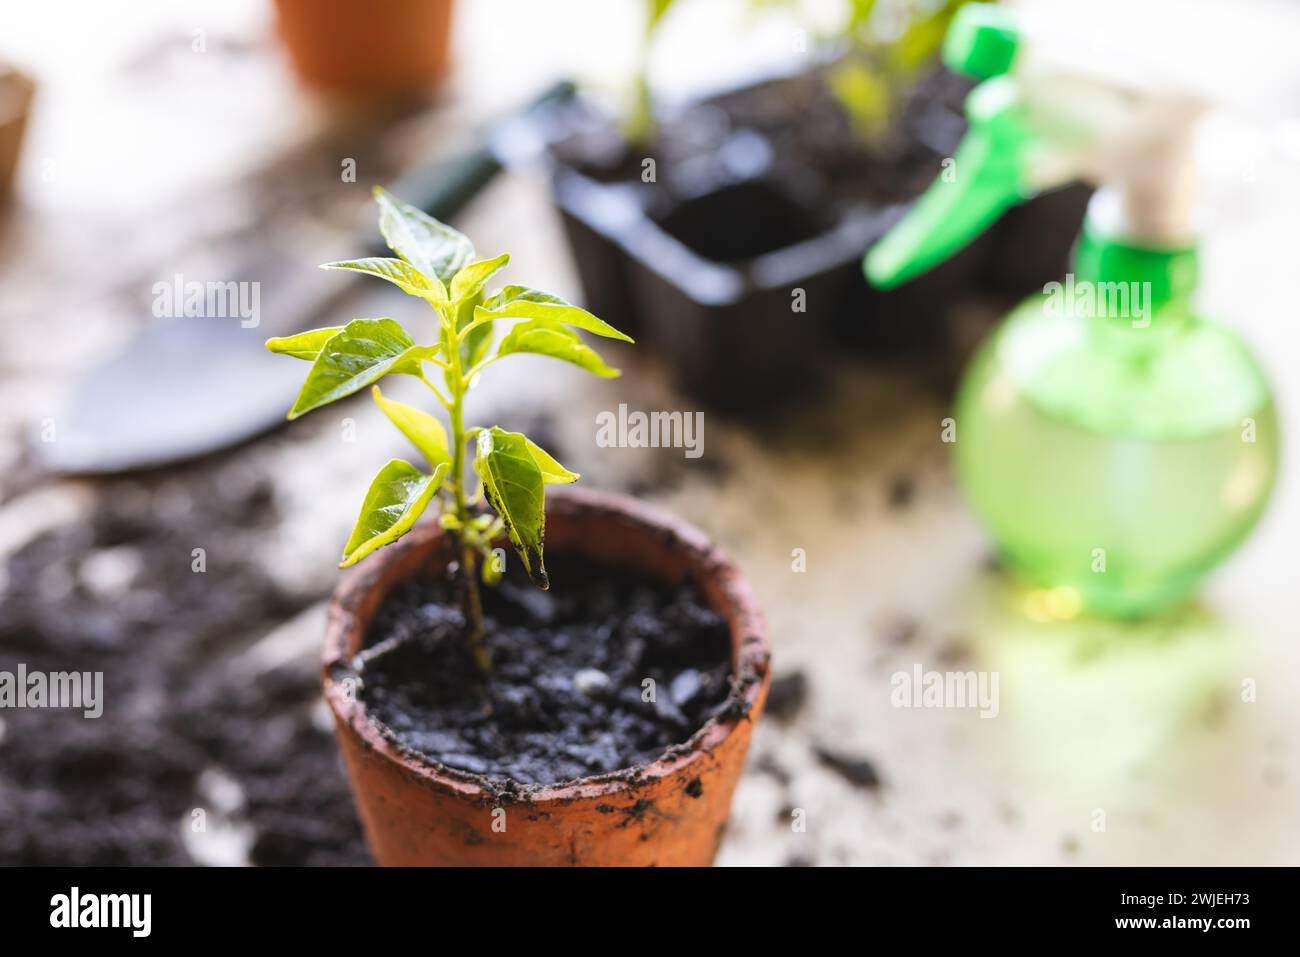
x: 983, y: 179
x: 978, y: 184
x: 982, y: 41
x: 1039, y: 121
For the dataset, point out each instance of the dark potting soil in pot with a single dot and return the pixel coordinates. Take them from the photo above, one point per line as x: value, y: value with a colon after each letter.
x: 566, y: 698
x: 809, y: 128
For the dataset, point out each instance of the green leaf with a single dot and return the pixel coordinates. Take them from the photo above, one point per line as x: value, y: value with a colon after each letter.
x: 476, y: 345
x: 433, y: 248
x: 478, y: 340
x: 863, y: 95
x: 469, y: 281
x: 399, y: 272
x: 515, y: 488
x: 546, y: 338
x: 655, y: 13
x: 489, y: 570
x: 923, y: 38
x: 305, y: 345
x: 509, y: 294
x: 553, y: 473
x: 364, y: 351
x: 860, y: 13
x: 520, y: 302
x: 398, y: 496
x: 425, y: 432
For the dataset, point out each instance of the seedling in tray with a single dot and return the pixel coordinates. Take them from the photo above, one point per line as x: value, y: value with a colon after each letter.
x: 438, y: 264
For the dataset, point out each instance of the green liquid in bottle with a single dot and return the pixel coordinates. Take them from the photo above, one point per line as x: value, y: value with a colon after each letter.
x: 1121, y: 462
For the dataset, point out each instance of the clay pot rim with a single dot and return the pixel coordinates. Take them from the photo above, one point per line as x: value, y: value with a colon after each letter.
x: 749, y: 642
x: 23, y: 89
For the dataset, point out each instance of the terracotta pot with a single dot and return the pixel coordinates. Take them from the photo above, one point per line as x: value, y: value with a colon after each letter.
x: 358, y: 46
x: 671, y: 812
x: 16, y: 93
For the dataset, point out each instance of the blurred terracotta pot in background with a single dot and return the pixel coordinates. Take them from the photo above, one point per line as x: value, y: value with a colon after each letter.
x: 368, y: 48
x: 16, y: 93
x: 669, y: 812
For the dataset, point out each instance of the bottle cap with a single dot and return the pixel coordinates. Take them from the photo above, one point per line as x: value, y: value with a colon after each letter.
x: 982, y: 41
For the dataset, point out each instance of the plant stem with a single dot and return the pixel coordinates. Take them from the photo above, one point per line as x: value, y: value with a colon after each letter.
x: 468, y: 565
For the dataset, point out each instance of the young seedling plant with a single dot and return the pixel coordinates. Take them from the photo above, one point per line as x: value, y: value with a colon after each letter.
x: 437, y: 264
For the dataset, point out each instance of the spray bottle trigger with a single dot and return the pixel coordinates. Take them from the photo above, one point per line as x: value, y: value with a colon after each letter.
x: 979, y: 183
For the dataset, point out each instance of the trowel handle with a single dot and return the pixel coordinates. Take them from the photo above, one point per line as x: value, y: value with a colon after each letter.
x: 443, y: 187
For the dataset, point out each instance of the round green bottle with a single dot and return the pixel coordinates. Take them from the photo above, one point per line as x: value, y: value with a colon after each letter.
x: 1114, y: 442
x: 1117, y: 445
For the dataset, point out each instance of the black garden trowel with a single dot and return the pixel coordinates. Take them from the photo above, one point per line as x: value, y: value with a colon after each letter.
x: 181, y: 389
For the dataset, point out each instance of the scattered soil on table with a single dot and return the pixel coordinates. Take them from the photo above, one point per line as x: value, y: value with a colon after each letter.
x: 565, y: 698
x: 901, y: 492
x: 858, y: 771
x: 116, y: 593
x: 787, y: 695
x: 896, y: 630
x: 766, y: 764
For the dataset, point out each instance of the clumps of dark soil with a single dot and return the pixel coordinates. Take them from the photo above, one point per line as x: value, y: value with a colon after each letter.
x: 787, y: 694
x: 666, y: 470
x: 901, y: 492
x: 897, y: 630
x: 118, y: 593
x: 295, y: 790
x: 955, y: 651
x: 804, y: 126
x: 809, y: 125
x: 766, y: 764
x: 858, y: 771
x: 569, y: 695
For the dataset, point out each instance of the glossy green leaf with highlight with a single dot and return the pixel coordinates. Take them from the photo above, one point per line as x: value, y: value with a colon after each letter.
x: 432, y: 247
x: 424, y: 430
x: 305, y: 345
x: 397, y: 497
x: 363, y: 352
x: 399, y: 272
x: 546, y: 338
x: 515, y: 488
x: 520, y: 302
x: 553, y: 473
x: 469, y: 282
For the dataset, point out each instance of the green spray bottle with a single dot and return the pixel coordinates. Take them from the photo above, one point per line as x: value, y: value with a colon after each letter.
x: 1117, y: 445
